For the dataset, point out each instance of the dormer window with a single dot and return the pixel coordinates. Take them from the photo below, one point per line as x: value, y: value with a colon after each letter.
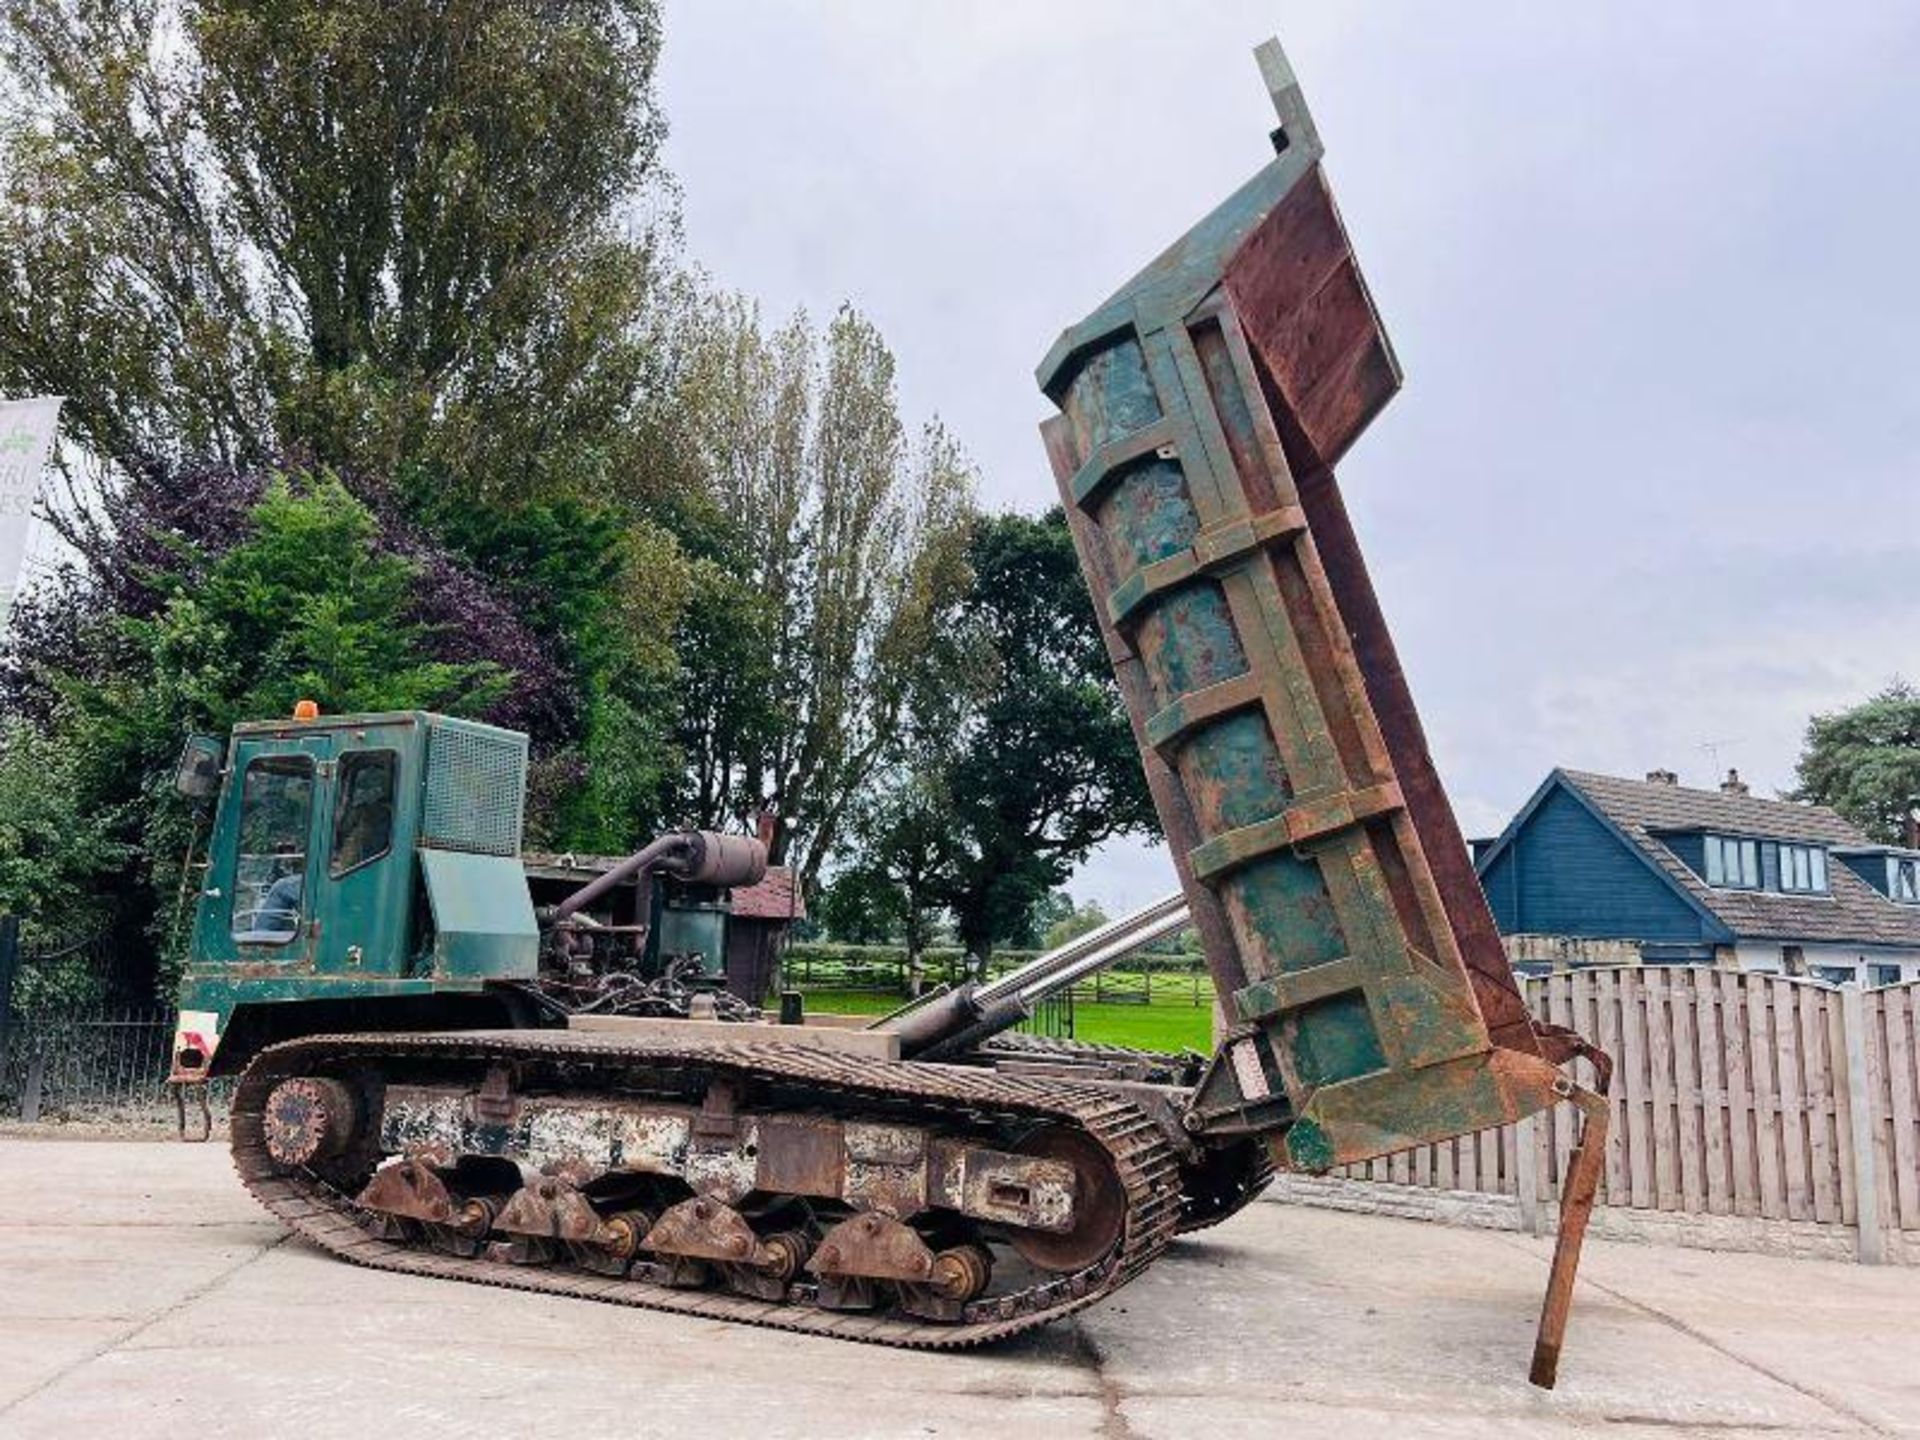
x: 1803, y: 869
x: 1733, y: 864
x: 1903, y: 880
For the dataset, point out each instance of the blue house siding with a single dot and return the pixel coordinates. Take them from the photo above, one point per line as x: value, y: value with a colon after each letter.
x: 1502, y: 894
x: 1566, y: 872
x: 1689, y: 847
x: 1870, y: 868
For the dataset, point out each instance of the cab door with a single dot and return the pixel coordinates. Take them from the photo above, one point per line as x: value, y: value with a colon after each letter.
x: 368, y: 878
x: 269, y: 862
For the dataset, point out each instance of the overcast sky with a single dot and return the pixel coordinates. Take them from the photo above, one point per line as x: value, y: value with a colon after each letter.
x: 1649, y: 496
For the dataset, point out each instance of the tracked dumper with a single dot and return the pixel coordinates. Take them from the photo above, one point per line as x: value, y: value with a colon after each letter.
x: 443, y: 1070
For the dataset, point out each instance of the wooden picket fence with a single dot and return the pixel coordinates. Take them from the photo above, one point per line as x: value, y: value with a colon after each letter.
x: 1734, y: 1094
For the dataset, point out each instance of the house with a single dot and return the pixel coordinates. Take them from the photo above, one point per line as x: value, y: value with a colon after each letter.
x: 1596, y: 869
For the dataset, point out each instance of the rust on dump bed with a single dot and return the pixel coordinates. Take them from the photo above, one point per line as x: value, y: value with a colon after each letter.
x: 1325, y: 371
x: 1203, y: 407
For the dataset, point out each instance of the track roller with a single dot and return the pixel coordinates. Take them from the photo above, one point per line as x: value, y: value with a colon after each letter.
x: 959, y: 1274
x: 702, y: 1234
x: 916, y: 1151
x: 549, y: 1215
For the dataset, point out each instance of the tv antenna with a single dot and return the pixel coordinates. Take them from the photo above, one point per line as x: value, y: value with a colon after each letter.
x: 1712, y: 749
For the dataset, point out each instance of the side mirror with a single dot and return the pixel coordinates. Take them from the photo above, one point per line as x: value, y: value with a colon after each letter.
x: 197, y: 776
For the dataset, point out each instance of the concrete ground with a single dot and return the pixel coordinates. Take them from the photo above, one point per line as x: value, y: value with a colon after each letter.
x: 144, y: 1295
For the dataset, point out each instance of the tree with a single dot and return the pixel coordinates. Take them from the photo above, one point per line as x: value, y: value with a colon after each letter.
x: 1047, y: 768
x: 53, y: 852
x: 1077, y: 920
x: 906, y: 854
x: 728, y: 699
x: 606, y: 592
x: 266, y: 551
x: 420, y: 242
x: 217, y: 596
x: 859, y: 906
x: 853, y: 557
x: 398, y: 235
x: 1018, y: 751
x: 1865, y: 762
x: 304, y: 608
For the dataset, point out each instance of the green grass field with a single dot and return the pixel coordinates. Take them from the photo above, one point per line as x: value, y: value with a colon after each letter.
x: 1147, y: 1027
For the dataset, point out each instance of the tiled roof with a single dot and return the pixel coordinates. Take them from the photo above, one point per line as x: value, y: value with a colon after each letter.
x: 1680, y: 807
x: 1854, y: 912
x: 776, y: 897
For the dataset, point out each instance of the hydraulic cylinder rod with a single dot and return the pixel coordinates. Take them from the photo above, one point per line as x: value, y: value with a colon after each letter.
x: 951, y: 1022
x: 1052, y: 972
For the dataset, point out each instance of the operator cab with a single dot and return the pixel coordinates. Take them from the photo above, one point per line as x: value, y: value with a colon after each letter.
x: 350, y: 858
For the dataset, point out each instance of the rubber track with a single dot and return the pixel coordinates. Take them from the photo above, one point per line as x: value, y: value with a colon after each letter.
x: 1014, y: 1042
x: 1146, y: 1163
x: 1259, y: 1176
x: 1194, y: 1217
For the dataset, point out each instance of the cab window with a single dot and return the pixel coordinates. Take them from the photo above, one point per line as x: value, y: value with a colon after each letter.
x: 363, y: 815
x: 276, y: 805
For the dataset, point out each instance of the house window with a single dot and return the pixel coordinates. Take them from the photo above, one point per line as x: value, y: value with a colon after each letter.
x: 1836, y: 974
x: 1903, y: 880
x: 1884, y: 975
x: 1733, y: 864
x: 1803, y: 869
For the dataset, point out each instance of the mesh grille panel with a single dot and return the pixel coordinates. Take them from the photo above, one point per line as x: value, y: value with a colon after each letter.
x: 476, y: 787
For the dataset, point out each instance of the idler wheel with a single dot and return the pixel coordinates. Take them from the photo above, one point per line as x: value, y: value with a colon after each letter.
x: 1099, y: 1203
x: 309, y: 1118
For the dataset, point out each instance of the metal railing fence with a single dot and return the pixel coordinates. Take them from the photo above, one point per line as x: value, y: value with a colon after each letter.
x: 70, y: 1065
x: 1149, y: 978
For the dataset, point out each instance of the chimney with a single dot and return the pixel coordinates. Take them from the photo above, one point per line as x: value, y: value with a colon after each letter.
x: 1733, y: 784
x: 1662, y: 777
x: 1912, y: 826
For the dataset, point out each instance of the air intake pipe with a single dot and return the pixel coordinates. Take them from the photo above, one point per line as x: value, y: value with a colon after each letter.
x: 699, y: 857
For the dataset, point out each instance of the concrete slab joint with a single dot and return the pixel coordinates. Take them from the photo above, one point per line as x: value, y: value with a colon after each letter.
x: 147, y: 1299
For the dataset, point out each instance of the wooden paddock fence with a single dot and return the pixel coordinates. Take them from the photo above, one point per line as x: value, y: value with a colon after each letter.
x: 1734, y: 1094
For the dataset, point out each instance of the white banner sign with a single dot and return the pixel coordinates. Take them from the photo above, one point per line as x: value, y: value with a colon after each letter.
x: 26, y: 435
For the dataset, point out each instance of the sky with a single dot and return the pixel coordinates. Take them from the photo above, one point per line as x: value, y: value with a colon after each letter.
x: 1650, y: 495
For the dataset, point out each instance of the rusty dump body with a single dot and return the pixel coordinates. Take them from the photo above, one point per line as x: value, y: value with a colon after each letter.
x: 931, y: 1181
x: 1202, y: 410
